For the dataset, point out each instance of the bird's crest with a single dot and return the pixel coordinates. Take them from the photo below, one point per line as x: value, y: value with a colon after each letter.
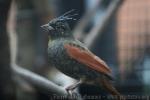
x: 67, y: 16
x: 59, y: 23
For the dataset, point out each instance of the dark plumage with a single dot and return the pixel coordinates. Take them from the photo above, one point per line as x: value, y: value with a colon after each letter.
x: 72, y: 58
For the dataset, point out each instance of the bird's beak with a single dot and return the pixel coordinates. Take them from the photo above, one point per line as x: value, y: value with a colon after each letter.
x: 47, y: 27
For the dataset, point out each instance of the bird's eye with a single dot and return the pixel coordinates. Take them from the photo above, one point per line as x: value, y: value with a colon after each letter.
x: 60, y: 26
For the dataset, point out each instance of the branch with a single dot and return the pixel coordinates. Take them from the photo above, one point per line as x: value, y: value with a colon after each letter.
x: 37, y: 80
x: 40, y: 82
x: 7, y: 89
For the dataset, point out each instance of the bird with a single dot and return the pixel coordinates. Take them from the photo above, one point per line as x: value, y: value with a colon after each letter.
x: 73, y: 58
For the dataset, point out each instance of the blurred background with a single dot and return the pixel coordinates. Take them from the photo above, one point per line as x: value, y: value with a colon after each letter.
x: 118, y: 31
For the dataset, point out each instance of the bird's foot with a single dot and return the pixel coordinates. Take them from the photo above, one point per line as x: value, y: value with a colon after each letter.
x: 72, y: 95
x: 70, y: 90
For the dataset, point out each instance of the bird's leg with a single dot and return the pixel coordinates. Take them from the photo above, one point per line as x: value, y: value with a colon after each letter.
x: 70, y: 88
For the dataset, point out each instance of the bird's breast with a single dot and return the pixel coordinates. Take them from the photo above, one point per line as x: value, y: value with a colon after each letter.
x: 58, y: 57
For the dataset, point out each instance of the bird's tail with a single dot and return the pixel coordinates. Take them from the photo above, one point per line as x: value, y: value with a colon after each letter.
x: 111, y: 89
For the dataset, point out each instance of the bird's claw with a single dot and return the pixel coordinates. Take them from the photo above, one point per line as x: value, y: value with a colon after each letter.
x: 72, y: 95
x: 69, y: 92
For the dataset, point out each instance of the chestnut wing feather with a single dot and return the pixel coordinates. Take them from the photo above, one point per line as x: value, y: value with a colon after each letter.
x: 88, y: 58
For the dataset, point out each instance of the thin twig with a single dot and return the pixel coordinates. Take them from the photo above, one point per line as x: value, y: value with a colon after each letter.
x: 97, y: 30
x: 78, y: 31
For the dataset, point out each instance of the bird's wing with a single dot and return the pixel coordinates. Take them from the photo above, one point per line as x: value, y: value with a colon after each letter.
x: 84, y: 56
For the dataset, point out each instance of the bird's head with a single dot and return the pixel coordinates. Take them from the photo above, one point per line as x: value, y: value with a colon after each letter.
x: 58, y: 27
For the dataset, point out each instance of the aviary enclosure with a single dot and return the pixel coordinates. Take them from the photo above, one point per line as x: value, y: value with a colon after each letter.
x: 118, y: 31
